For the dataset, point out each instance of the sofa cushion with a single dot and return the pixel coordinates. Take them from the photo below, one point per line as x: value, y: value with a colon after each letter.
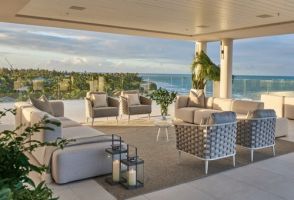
x: 80, y: 132
x: 105, y: 111
x: 99, y: 100
x: 196, y: 98
x: 244, y: 106
x: 222, y: 117
x: 209, y: 102
x: 181, y: 101
x: 201, y: 116
x: 273, y: 102
x: 222, y: 104
x: 43, y: 105
x: 186, y: 114
x: 289, y: 107
x: 66, y: 122
x: 264, y: 113
x: 139, y: 109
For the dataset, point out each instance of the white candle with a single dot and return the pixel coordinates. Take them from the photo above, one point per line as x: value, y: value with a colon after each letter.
x: 115, y: 170
x: 132, y: 177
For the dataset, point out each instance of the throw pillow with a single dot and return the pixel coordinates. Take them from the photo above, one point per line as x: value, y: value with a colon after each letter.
x: 196, y: 99
x: 43, y: 105
x: 133, y: 99
x: 99, y: 100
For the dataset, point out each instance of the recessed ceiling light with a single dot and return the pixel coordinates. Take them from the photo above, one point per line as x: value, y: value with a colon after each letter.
x: 202, y: 26
x: 264, y: 16
x: 80, y: 8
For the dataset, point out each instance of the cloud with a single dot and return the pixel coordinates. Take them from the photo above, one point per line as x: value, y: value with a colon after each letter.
x: 62, y: 36
x: 3, y: 36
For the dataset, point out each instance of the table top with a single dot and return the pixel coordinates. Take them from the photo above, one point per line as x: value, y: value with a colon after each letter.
x: 163, y: 123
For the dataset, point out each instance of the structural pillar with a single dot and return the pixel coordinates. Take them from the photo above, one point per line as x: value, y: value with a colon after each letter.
x: 200, y: 46
x: 226, y: 57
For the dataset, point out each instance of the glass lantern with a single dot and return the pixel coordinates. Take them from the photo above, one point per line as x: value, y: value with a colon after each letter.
x: 132, y: 174
x: 117, y: 152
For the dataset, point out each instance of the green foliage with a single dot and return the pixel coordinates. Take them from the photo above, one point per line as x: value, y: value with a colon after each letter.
x: 163, y: 98
x: 14, y: 163
x: 203, y: 70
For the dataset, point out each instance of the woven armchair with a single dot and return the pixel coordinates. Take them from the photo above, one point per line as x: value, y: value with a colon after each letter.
x: 144, y: 107
x: 257, y: 132
x: 207, y: 142
x: 111, y: 111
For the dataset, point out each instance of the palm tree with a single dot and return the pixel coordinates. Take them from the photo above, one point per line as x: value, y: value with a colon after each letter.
x: 203, y: 70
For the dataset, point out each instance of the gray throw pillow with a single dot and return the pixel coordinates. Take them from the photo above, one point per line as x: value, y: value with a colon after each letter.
x: 43, y: 105
x: 196, y: 98
x: 222, y: 117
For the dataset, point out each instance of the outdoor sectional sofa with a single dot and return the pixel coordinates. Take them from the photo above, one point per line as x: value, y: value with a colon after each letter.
x: 196, y: 115
x: 83, y: 158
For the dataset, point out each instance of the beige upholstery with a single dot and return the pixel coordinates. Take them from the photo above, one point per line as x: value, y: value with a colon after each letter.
x: 203, y: 114
x: 66, y: 122
x: 274, y: 102
x: 181, y: 101
x: 222, y: 104
x: 209, y: 102
x: 289, y: 107
x: 243, y: 106
x: 186, y: 114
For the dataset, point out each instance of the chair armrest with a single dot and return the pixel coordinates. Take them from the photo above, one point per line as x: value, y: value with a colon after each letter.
x: 181, y: 101
x: 124, y: 104
x: 112, y: 102
x: 58, y: 108
x: 89, y: 107
x: 145, y: 100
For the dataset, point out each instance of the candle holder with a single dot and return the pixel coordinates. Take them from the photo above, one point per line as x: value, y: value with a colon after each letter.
x: 117, y: 152
x: 132, y: 174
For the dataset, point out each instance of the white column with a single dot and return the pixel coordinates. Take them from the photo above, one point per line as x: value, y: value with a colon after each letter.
x: 200, y: 46
x: 226, y: 57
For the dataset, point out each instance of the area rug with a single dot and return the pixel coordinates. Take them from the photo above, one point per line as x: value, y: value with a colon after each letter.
x: 162, y: 168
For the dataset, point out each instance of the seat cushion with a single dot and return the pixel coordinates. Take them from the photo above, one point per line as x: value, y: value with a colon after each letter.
x: 80, y: 132
x: 243, y: 107
x: 202, y: 115
x: 140, y: 109
x: 105, y: 111
x: 186, y: 114
x: 66, y: 122
x: 196, y: 98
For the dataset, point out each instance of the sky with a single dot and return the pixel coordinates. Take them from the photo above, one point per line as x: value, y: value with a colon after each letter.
x: 26, y: 46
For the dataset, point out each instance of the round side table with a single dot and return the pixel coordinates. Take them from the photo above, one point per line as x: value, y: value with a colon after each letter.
x: 162, y: 124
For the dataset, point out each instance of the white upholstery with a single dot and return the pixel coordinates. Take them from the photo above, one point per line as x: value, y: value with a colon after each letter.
x: 289, y: 107
x: 203, y: 114
x: 243, y: 106
x: 274, y: 102
x: 222, y: 104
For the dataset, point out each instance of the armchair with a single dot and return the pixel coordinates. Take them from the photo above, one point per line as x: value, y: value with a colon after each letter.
x: 143, y: 108
x: 258, y: 132
x: 212, y: 141
x: 112, y: 110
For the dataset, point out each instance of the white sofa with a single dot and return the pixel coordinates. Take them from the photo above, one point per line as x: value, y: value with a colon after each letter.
x: 83, y: 158
x: 241, y: 107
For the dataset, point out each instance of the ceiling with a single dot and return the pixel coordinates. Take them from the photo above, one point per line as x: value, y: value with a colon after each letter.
x: 179, y: 19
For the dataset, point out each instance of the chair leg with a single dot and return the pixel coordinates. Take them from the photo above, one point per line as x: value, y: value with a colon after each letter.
x: 206, y: 166
x: 234, y: 160
x: 251, y: 151
x: 92, y: 121
x: 179, y: 156
x: 166, y: 133
x: 158, y: 133
x: 274, y: 150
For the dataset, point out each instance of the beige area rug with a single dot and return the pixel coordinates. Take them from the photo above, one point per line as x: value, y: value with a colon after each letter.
x: 161, y: 167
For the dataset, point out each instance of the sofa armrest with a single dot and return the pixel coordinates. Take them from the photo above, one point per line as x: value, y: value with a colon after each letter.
x: 58, y: 108
x: 181, y: 101
x: 112, y: 102
x: 145, y: 100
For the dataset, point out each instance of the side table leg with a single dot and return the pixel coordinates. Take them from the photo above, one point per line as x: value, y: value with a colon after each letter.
x: 158, y: 133
x: 166, y: 133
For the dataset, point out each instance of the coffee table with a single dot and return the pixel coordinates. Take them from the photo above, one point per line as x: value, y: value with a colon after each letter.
x: 163, y: 124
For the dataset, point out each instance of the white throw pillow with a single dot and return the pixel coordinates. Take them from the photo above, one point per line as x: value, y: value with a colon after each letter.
x: 133, y: 99
x: 99, y: 100
x: 196, y: 98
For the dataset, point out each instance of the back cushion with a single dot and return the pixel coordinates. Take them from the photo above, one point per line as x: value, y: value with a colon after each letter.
x: 222, y: 104
x: 42, y: 105
x: 125, y: 93
x: 209, y: 102
x: 243, y: 107
x: 133, y: 99
x: 99, y: 100
x: 273, y: 102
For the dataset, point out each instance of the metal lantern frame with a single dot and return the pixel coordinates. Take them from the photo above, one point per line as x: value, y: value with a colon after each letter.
x: 117, y: 152
x: 135, y: 165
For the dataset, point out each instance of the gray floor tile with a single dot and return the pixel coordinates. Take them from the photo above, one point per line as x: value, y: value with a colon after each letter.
x: 138, y: 198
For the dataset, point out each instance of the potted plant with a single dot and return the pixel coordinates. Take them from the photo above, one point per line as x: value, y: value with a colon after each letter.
x: 15, y: 165
x: 163, y: 98
x: 203, y: 70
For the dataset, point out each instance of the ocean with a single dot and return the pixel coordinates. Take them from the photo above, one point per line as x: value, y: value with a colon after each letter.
x: 244, y: 87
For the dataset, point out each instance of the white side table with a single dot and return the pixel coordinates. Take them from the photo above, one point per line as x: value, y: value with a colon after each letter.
x: 162, y: 124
